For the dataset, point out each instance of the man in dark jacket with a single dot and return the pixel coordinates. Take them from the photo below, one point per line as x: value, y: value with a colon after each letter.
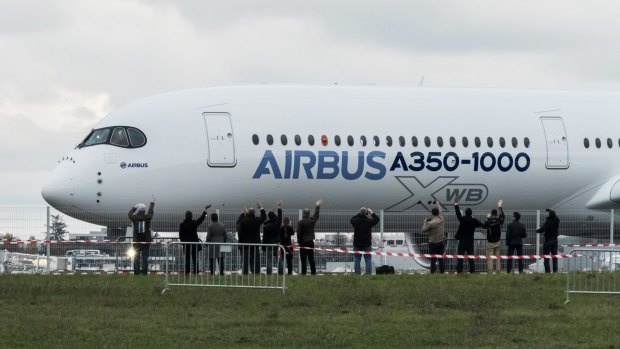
x: 362, y: 237
x: 550, y: 247
x: 493, y: 225
x: 271, y: 235
x: 305, y: 237
x: 248, y: 226
x: 142, y: 236
x: 515, y: 233
x: 188, y: 232
x: 286, y: 232
x: 465, y: 236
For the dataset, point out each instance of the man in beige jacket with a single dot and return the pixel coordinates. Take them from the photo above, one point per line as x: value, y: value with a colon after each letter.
x: 433, y: 226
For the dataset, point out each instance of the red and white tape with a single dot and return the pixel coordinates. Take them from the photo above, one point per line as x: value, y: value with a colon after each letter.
x: 33, y: 242
x: 431, y: 255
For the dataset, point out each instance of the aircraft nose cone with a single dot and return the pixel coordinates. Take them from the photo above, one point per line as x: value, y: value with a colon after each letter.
x: 59, y: 191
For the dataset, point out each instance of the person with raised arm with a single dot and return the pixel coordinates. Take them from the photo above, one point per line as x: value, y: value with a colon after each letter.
x: 305, y: 237
x: 142, y: 236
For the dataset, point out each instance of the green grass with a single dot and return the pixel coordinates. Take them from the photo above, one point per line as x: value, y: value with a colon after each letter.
x: 403, y: 311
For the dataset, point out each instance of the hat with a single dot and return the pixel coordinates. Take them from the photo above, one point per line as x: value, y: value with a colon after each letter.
x: 140, y: 208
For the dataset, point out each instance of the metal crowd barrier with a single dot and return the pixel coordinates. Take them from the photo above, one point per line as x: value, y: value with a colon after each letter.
x: 593, y: 271
x: 225, y: 265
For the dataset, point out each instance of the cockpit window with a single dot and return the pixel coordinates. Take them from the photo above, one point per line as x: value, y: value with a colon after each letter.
x: 119, y: 137
x: 98, y: 137
x: 136, y: 137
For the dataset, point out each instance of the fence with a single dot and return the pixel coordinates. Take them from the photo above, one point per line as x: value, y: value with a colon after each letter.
x: 225, y: 265
x: 593, y: 271
x: 333, y: 230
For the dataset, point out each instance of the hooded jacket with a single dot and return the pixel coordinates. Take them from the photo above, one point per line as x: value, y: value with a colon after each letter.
x: 188, y: 230
x: 467, y: 226
x: 271, y: 228
x: 146, y: 236
x: 493, y: 226
x: 551, y: 226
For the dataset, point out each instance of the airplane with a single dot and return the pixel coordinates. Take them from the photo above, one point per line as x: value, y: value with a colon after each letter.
x: 389, y: 148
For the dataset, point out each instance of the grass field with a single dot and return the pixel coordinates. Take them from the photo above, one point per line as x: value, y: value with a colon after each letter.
x: 341, y: 311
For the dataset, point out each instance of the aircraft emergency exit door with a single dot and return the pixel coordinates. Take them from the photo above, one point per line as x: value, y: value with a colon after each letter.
x: 557, y: 144
x: 220, y: 139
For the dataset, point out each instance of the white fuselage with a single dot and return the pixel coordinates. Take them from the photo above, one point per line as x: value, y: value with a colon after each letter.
x: 201, y: 149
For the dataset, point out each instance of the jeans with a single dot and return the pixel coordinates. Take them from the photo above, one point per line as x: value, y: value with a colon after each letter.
x: 269, y: 254
x: 309, y: 255
x: 511, y: 251
x: 141, y: 259
x: 358, y: 260
x: 465, y: 247
x: 550, y: 247
x: 437, y: 248
x: 190, y: 251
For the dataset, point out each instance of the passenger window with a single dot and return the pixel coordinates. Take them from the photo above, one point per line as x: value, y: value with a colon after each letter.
x: 452, y: 142
x: 440, y: 142
x: 490, y: 142
x: 586, y: 143
x: 270, y: 139
x: 376, y: 141
x: 401, y: 141
x: 97, y: 137
x: 598, y: 142
x: 350, y: 140
x: 414, y: 141
x: 138, y: 139
x: 610, y: 143
x: 297, y: 139
x: 119, y: 137
x: 283, y: 140
x: 465, y: 142
x: 363, y: 141
x: 515, y: 142
x: 502, y: 142
x: 311, y: 139
x: 337, y: 140
x: 427, y: 141
x: 255, y: 139
x: 388, y: 141
x: 477, y: 142
x: 526, y: 142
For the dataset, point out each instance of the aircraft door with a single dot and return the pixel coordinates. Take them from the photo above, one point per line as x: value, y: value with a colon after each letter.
x: 557, y: 144
x: 220, y: 139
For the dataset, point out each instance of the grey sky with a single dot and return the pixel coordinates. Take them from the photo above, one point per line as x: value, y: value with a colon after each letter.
x: 66, y: 64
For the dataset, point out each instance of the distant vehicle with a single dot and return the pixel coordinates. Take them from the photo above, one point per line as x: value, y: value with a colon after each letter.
x: 85, y: 253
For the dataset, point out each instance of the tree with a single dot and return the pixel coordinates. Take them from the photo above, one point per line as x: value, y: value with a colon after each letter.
x: 7, y: 236
x: 58, y: 229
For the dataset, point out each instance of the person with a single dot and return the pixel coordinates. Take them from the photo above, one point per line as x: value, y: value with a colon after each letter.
x: 286, y: 232
x: 465, y: 237
x: 362, y: 237
x: 515, y: 233
x: 434, y: 227
x: 188, y: 232
x: 142, y: 235
x: 216, y: 232
x: 550, y: 246
x: 271, y: 235
x: 305, y: 237
x: 493, y: 225
x: 248, y: 228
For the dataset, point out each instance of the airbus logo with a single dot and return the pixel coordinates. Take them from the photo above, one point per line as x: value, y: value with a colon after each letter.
x: 443, y: 189
x: 125, y: 165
